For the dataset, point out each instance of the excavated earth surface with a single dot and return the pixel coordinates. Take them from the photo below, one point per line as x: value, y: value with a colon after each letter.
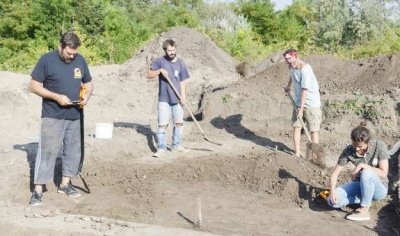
x: 250, y: 185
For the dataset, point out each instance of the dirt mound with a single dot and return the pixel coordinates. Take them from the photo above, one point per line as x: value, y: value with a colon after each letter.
x: 373, y: 76
x: 15, y: 95
x: 380, y: 73
x: 248, y: 70
x: 210, y: 69
x: 209, y: 66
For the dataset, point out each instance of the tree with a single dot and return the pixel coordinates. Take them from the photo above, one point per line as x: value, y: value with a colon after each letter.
x: 51, y: 19
x: 294, y: 22
x: 330, y: 21
x: 349, y: 22
x: 263, y: 18
x: 15, y: 20
x: 90, y: 14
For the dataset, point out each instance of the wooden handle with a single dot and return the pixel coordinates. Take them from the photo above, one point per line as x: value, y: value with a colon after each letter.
x: 301, y: 120
x: 186, y: 107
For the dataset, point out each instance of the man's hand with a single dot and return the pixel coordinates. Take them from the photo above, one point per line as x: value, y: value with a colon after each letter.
x: 300, y: 114
x: 84, y: 100
x: 164, y: 72
x: 63, y: 100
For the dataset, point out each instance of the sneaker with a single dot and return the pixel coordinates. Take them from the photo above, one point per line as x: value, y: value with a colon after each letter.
x: 36, y: 199
x: 359, y: 216
x: 69, y: 190
x: 180, y: 149
x: 160, y: 153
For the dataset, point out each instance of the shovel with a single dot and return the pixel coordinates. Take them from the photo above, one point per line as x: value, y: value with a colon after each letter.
x: 314, y: 151
x: 190, y: 112
x: 82, y: 130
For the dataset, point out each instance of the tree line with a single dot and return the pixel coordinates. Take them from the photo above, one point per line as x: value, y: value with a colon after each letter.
x: 113, y: 30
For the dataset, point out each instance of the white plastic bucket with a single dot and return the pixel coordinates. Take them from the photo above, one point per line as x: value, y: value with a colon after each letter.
x: 104, y: 130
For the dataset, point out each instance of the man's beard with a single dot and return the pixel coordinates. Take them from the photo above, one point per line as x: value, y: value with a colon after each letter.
x: 65, y: 59
x: 171, y: 57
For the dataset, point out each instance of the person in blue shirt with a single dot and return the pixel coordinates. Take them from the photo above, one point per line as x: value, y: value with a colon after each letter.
x: 172, y: 67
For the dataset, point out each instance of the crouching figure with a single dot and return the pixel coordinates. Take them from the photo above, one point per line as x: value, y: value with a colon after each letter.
x: 369, y: 177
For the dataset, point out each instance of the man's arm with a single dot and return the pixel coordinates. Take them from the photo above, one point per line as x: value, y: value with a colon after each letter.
x: 37, y: 88
x: 153, y: 73
x: 303, y: 97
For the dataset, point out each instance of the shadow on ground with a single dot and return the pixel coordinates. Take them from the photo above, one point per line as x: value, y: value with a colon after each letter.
x: 232, y: 124
x: 391, y: 212
x: 307, y: 192
x: 145, y: 130
x: 31, y: 150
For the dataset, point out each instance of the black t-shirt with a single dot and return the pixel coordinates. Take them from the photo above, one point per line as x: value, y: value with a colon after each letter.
x: 62, y: 78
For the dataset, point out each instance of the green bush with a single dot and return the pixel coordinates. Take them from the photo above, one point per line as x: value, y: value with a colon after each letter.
x: 113, y: 30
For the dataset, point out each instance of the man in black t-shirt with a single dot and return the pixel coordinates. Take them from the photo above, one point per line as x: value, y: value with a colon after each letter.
x: 57, y: 78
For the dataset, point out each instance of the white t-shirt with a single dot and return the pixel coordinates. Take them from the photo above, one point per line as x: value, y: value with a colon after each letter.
x: 305, y: 79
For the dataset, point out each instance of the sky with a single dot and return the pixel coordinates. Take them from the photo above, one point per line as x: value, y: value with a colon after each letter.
x: 280, y: 4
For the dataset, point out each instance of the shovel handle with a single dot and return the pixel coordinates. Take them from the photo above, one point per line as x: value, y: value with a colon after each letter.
x: 180, y: 99
x: 190, y: 112
x: 300, y: 119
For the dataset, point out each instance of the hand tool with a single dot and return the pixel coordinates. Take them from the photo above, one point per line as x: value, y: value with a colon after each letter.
x: 82, y: 131
x: 314, y: 150
x: 190, y: 112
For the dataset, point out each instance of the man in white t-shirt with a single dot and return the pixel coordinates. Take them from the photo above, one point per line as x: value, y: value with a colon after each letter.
x: 306, y: 98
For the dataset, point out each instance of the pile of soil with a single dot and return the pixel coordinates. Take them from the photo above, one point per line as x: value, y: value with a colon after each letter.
x: 251, y: 185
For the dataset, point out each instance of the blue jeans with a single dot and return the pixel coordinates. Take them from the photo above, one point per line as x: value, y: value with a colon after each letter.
x: 165, y: 110
x: 370, y: 187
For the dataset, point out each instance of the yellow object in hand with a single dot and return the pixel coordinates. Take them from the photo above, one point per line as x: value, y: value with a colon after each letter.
x: 82, y: 92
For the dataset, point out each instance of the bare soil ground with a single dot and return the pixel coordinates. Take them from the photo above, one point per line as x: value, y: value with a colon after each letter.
x: 251, y: 185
